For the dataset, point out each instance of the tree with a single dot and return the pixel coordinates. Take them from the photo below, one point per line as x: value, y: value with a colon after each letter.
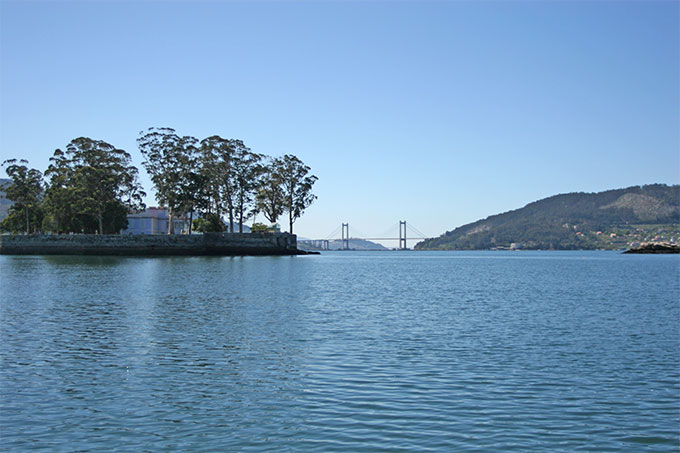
x: 15, y: 222
x: 93, y: 187
x: 260, y: 228
x: 26, y: 188
x: 209, y: 162
x: 192, y: 180
x: 223, y: 176
x: 216, y: 167
x: 211, y: 223
x: 270, y: 197
x: 172, y: 163
x: 62, y: 216
x: 296, y: 186
x: 245, y: 173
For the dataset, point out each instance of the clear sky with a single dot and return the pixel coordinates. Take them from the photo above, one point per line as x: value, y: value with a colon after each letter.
x: 434, y: 112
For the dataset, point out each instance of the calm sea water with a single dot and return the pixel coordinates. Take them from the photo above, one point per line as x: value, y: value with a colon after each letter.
x: 486, y: 351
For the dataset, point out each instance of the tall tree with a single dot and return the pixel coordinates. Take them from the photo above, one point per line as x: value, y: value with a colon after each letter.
x: 172, y: 163
x: 216, y: 166
x: 270, y: 197
x: 192, y: 190
x: 296, y: 185
x: 62, y: 215
x: 92, y: 182
x: 246, y: 170
x: 27, y: 186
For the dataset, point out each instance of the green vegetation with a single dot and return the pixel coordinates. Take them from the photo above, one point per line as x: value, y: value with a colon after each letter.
x: 211, y: 223
x: 26, y: 191
x: 285, y: 187
x: 223, y: 176
x: 93, y: 185
x: 296, y: 186
x: 607, y: 220
x: 172, y: 163
x: 262, y: 228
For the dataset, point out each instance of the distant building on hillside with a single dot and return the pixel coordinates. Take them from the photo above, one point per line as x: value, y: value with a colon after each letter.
x: 153, y: 221
x: 5, y: 204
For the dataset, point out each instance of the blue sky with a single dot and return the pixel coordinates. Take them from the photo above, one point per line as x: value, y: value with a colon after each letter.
x: 435, y: 112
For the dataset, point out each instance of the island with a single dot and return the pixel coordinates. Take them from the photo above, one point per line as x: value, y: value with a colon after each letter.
x: 655, y: 248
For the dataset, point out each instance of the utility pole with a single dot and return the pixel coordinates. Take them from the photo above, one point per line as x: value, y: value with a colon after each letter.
x: 345, y: 237
x: 402, y: 235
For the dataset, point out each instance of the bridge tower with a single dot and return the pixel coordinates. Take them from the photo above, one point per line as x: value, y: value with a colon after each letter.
x: 345, y: 237
x: 402, y: 234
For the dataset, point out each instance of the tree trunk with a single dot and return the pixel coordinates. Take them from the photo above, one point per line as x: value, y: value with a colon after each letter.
x: 191, y: 220
x: 289, y: 200
x: 240, y: 212
x: 231, y: 220
x: 171, y: 224
x: 101, y: 223
x: 28, y: 224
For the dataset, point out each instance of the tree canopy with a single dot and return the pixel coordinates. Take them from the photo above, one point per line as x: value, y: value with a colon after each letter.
x: 26, y: 191
x: 172, y: 163
x: 93, y: 186
x: 270, y: 196
x: 296, y: 184
x: 224, y: 176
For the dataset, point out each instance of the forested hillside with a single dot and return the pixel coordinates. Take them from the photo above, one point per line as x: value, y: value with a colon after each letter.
x: 611, y: 219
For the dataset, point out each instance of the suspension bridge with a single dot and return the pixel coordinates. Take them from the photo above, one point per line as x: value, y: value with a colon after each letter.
x: 341, y: 233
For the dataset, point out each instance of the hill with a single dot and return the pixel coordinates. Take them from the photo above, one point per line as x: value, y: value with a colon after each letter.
x: 357, y: 244
x: 336, y: 244
x: 611, y: 220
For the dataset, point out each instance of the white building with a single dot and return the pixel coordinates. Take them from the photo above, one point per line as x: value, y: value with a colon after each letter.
x: 153, y: 221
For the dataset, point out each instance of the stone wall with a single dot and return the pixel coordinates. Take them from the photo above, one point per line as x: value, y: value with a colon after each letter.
x: 147, y: 245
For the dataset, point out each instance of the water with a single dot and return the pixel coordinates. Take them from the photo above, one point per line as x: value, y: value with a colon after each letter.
x: 384, y: 351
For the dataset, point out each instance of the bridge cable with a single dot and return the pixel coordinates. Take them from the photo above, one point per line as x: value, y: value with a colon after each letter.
x: 356, y: 234
x: 334, y: 234
x: 417, y: 231
x: 390, y: 232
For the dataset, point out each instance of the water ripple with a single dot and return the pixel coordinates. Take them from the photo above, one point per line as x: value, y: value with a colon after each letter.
x: 341, y: 352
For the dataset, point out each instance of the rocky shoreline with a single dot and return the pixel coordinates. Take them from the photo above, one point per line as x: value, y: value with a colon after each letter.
x: 655, y: 248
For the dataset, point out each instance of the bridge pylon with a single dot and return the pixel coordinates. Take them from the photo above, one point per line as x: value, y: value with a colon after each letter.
x: 345, y: 236
x: 402, y: 234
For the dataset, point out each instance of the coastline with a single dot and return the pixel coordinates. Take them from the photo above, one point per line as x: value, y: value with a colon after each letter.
x: 655, y: 248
